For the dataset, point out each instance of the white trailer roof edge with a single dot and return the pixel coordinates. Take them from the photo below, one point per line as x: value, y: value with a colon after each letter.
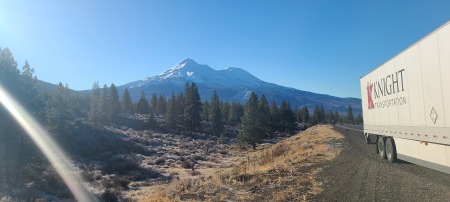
x: 423, y: 38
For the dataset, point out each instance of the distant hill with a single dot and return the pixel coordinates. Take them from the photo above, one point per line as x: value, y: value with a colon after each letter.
x: 232, y: 84
x: 44, y: 86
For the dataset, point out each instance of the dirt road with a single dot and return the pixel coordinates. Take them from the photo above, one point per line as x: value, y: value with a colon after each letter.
x: 358, y: 174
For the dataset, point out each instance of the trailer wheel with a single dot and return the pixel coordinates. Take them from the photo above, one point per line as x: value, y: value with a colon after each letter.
x: 391, y: 152
x: 381, y: 147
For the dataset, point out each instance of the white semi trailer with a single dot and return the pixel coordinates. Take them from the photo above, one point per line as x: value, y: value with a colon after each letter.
x: 406, y: 103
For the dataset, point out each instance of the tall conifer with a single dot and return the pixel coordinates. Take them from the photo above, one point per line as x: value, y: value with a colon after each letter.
x: 142, y: 105
x: 127, y: 102
x: 170, y: 113
x: 215, y: 115
x: 252, y: 131
x: 114, y: 108
x: 94, y: 113
x: 350, y: 114
x: 192, y: 108
x: 264, y: 115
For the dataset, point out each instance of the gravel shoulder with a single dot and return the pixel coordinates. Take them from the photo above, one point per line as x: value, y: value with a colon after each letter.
x: 358, y: 174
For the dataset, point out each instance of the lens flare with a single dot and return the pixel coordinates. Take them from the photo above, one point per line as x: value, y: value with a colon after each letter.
x: 48, y: 146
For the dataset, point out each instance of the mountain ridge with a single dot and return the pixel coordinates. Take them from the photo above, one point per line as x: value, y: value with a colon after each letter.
x: 232, y: 84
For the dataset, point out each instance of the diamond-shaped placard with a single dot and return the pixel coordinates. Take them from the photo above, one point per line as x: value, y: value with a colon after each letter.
x: 433, y: 115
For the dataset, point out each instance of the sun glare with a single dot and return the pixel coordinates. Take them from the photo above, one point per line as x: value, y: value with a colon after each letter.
x: 48, y: 146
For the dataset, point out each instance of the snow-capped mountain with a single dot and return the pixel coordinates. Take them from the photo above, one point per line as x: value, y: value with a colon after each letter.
x: 189, y: 70
x: 232, y: 84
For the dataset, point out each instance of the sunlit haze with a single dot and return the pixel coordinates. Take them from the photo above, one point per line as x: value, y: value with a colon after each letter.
x: 47, y: 145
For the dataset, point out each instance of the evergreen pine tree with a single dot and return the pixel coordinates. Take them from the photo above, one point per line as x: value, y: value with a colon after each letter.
x: 170, y: 113
x: 161, y: 107
x: 215, y: 116
x: 152, y: 122
x: 240, y: 111
x: 205, y: 111
x: 322, y: 114
x: 27, y: 71
x: 236, y: 113
x: 29, y: 88
x: 275, y: 116
x: 305, y: 114
x: 8, y: 66
x: 264, y: 115
x: 16, y: 148
x: 252, y: 131
x: 350, y: 114
x: 337, y: 117
x: 330, y: 117
x: 60, y: 113
x: 287, y: 118
x: 192, y: 108
x: 104, y: 105
x: 114, y: 108
x: 142, y: 105
x: 319, y: 115
x: 127, y: 102
x: 225, y: 109
x: 153, y: 102
x: 179, y: 108
x: 233, y: 114
x: 94, y: 113
x: 315, y: 116
x: 298, y: 115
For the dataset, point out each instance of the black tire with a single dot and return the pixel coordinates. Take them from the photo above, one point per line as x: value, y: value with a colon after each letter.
x: 391, y: 151
x: 381, y: 147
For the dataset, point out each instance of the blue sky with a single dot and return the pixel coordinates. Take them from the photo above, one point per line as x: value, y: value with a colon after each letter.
x: 315, y: 45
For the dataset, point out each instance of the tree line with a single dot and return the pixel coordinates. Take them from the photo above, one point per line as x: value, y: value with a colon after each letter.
x: 184, y: 111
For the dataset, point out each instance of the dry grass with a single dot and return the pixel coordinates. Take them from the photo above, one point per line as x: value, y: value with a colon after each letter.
x: 285, y: 171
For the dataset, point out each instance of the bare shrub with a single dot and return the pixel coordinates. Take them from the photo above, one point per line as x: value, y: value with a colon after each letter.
x: 112, y: 195
x: 121, y: 165
x: 176, y: 187
x: 187, y: 164
x: 223, y: 152
x: 307, y: 145
x: 198, y: 158
x: 279, y: 150
x: 160, y: 161
x: 195, y: 172
x: 116, y: 183
x: 172, y: 174
x: 266, y: 157
x: 209, y: 165
x: 212, y: 159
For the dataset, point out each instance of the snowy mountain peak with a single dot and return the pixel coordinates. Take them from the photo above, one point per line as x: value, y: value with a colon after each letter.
x: 189, y: 70
x: 189, y: 65
x: 188, y: 61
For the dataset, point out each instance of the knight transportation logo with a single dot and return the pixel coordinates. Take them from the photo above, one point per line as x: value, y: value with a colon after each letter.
x: 386, y: 91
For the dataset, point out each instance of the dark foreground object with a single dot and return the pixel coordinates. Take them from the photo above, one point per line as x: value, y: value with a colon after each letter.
x: 359, y: 174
